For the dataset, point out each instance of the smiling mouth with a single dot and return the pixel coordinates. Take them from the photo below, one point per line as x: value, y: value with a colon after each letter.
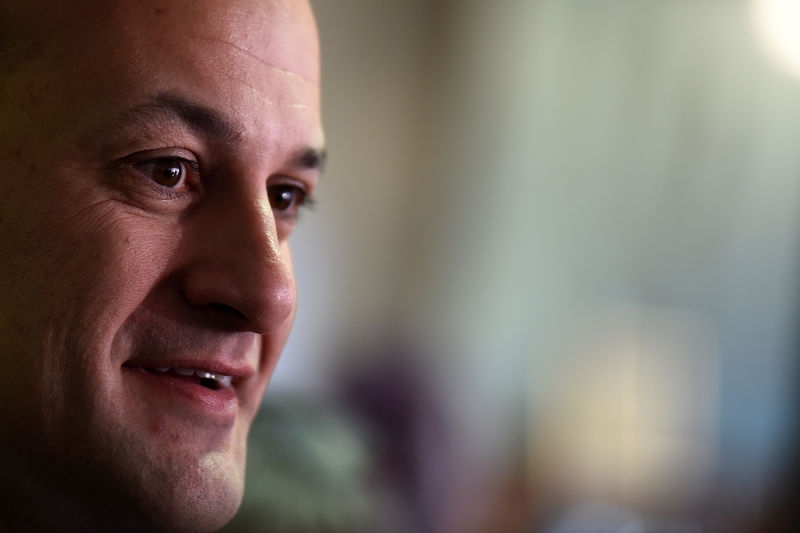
x: 205, y: 378
x: 187, y: 389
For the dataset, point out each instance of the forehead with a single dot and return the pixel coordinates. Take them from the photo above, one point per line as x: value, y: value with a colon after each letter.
x: 253, y: 59
x: 90, y: 24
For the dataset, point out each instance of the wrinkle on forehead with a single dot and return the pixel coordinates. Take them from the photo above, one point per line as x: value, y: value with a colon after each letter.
x: 278, y: 34
x: 255, y: 56
x: 248, y: 25
x: 268, y: 48
x: 263, y: 98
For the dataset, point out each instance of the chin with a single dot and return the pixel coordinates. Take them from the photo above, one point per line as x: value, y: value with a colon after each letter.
x: 192, y: 502
x: 202, y: 508
x: 149, y: 486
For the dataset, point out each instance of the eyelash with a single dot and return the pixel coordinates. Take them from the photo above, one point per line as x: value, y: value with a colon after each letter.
x: 305, y: 201
x: 185, y: 180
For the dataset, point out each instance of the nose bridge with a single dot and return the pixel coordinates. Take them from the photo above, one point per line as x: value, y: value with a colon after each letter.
x: 274, y: 265
x: 263, y: 232
x: 242, y: 264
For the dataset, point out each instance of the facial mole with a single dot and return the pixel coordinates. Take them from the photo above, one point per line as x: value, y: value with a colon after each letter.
x: 160, y: 10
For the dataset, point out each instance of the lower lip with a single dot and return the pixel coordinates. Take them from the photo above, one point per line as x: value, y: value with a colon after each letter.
x: 220, y: 405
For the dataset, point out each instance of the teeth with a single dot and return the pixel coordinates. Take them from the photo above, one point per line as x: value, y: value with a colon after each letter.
x: 222, y: 379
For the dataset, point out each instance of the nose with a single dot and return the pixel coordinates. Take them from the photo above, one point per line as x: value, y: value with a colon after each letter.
x: 238, y: 264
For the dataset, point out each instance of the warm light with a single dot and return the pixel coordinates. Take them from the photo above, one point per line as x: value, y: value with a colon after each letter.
x: 778, y: 27
x: 634, y: 421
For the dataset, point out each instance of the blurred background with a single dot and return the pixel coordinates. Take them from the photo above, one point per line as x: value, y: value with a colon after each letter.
x: 551, y: 283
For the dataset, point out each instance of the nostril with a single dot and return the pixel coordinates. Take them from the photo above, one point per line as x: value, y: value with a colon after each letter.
x: 227, y: 310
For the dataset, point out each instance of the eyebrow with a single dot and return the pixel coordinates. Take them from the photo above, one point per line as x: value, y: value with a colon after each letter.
x: 205, y: 121
x: 310, y: 159
x: 200, y: 119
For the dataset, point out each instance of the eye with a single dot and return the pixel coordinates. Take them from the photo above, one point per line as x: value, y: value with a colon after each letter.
x: 287, y: 199
x: 168, y: 172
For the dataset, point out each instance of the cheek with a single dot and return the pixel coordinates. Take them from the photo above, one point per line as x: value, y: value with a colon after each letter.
x: 71, y: 247
x: 72, y: 274
x: 107, y: 262
x: 97, y: 263
x: 120, y: 258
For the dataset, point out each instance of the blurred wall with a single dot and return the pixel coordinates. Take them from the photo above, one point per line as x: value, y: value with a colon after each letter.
x: 585, y: 216
x: 355, y: 251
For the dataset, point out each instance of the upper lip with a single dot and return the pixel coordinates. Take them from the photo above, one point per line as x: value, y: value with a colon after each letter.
x: 154, y: 343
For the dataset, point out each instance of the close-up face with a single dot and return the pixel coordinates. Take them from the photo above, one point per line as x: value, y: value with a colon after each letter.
x: 154, y: 157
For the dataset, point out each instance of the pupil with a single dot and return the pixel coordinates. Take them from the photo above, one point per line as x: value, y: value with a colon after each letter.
x: 170, y: 175
x: 284, y: 199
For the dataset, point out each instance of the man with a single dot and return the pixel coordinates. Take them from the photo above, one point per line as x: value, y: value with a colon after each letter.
x: 154, y: 155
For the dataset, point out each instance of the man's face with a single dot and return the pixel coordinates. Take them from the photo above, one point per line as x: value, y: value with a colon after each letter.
x: 153, y: 156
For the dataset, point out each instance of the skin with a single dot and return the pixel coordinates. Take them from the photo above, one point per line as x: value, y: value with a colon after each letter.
x: 110, y: 268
